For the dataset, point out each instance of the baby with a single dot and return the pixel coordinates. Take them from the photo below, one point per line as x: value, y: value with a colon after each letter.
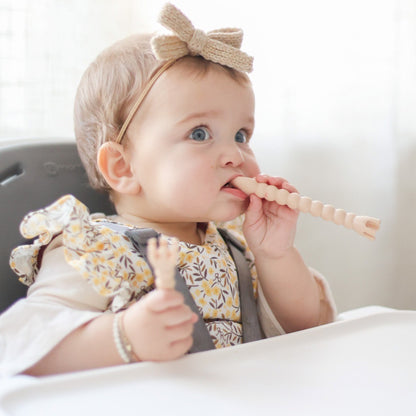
x: 164, y: 126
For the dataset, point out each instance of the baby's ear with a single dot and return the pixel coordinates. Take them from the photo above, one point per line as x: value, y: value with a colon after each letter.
x: 114, y: 165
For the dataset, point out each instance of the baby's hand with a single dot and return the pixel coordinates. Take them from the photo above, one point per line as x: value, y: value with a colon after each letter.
x: 270, y: 228
x: 160, y: 326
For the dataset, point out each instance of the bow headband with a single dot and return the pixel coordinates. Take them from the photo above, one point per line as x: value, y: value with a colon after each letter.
x: 219, y: 46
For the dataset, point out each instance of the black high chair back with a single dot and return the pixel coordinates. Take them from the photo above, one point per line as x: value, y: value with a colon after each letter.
x: 32, y: 176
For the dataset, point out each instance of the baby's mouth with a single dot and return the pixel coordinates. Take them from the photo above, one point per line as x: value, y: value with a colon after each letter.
x: 229, y: 185
x: 230, y: 188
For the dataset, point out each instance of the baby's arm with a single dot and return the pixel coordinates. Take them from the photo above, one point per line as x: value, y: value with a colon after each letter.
x: 166, y: 322
x: 159, y: 327
x: 287, y: 283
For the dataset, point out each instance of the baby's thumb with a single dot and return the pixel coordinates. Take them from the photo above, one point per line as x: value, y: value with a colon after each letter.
x: 254, y: 210
x: 159, y: 300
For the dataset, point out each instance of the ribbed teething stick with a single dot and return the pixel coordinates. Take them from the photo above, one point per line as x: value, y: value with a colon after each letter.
x: 163, y: 256
x: 363, y: 225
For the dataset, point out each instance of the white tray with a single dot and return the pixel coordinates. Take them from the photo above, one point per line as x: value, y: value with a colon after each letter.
x: 365, y: 366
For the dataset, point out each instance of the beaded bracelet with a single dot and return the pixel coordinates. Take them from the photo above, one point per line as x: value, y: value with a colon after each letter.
x: 123, y: 345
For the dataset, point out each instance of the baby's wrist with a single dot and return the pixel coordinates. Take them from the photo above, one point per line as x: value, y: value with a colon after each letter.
x: 123, y: 344
x: 276, y: 255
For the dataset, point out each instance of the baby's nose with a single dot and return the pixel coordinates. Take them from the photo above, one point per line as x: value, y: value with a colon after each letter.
x: 232, y: 155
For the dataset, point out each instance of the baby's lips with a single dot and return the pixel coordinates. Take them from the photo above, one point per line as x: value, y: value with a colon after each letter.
x: 231, y: 188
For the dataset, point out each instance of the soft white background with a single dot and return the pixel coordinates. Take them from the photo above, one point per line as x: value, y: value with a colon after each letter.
x: 336, y: 95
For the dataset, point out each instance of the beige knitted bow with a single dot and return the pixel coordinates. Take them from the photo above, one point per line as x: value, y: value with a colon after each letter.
x: 220, y: 46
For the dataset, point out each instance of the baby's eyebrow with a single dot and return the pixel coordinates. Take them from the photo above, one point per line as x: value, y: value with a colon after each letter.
x: 209, y: 114
x: 250, y: 120
x: 199, y: 115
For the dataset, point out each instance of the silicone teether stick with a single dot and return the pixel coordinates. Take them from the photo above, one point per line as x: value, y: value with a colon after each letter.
x: 163, y: 258
x: 363, y: 225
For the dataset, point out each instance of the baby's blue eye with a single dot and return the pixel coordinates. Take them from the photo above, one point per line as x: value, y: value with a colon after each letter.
x: 200, y: 134
x: 241, y: 136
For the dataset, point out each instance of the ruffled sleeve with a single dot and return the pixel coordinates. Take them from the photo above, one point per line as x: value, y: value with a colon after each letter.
x: 102, y: 256
x: 77, y: 269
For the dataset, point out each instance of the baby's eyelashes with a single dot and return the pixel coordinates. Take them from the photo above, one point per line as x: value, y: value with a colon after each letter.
x: 200, y: 134
x: 241, y: 136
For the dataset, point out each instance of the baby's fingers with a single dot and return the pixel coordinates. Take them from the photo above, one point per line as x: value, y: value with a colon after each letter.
x: 178, y: 337
x: 180, y: 315
x: 276, y: 181
x: 270, y: 180
x: 163, y: 299
x: 178, y: 348
x: 180, y: 331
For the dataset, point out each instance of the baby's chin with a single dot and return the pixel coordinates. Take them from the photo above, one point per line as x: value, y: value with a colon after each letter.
x: 232, y: 215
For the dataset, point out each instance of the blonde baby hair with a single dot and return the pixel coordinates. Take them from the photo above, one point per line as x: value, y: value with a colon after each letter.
x: 106, y: 91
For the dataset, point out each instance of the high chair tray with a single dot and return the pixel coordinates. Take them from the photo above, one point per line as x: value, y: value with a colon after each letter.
x: 364, y: 366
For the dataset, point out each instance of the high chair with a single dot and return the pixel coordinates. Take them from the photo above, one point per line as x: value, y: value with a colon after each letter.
x: 362, y: 365
x: 31, y: 177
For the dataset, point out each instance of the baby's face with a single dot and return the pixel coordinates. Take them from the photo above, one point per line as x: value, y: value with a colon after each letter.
x: 188, y: 140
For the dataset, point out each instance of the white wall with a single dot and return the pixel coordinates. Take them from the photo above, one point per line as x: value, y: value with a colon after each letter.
x: 336, y: 93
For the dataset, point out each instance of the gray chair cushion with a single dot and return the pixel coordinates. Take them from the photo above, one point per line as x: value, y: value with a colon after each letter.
x: 31, y: 177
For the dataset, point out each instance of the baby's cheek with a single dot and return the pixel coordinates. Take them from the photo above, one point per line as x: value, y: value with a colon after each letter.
x: 252, y: 168
x: 180, y: 193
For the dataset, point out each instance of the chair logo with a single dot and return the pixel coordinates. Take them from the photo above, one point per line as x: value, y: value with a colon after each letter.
x: 53, y: 168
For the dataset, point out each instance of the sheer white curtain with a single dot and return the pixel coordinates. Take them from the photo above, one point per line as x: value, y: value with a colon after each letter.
x: 336, y: 92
